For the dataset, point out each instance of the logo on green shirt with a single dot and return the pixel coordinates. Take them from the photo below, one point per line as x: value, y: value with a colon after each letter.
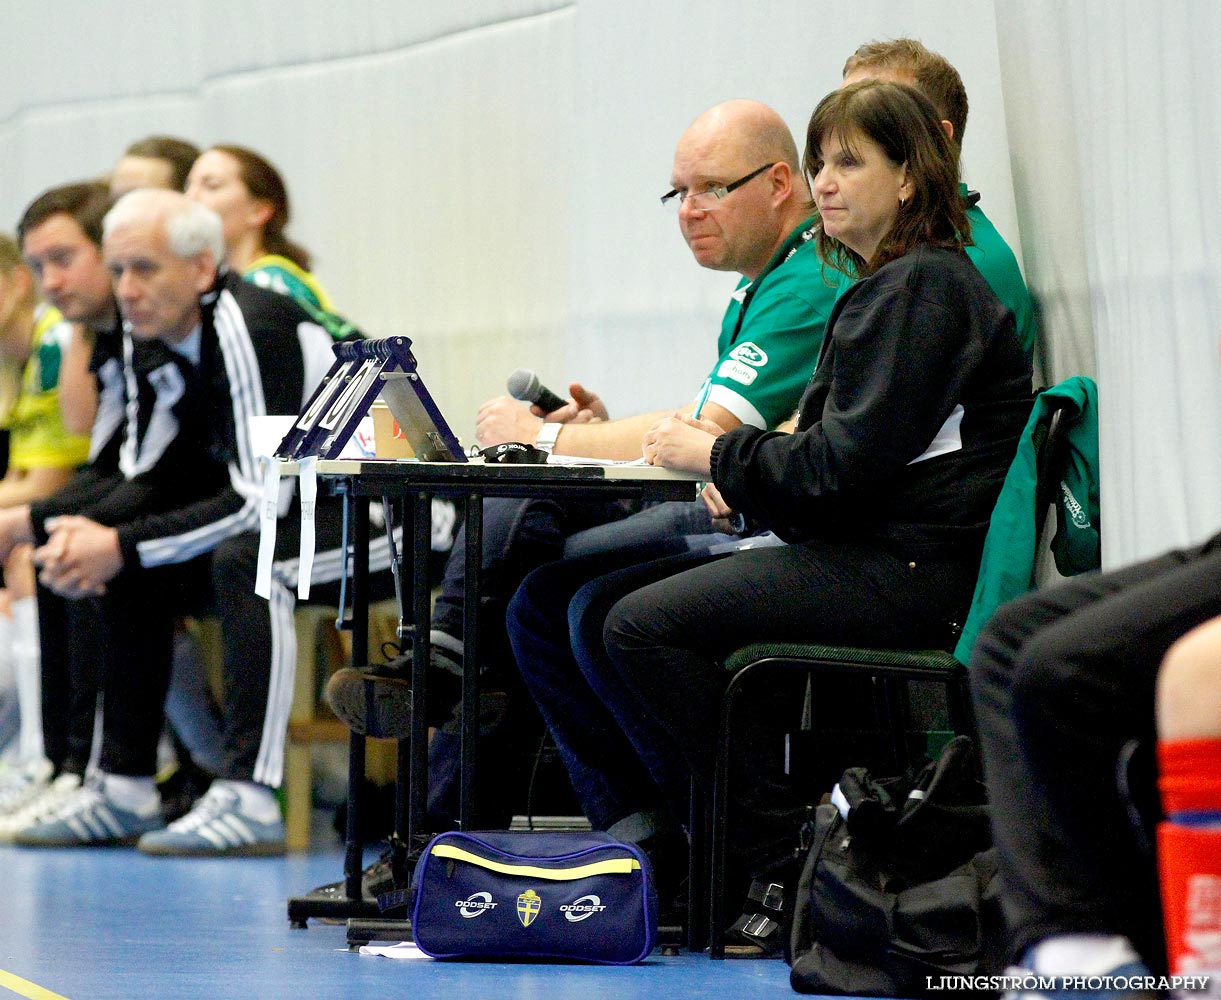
x: 750, y: 354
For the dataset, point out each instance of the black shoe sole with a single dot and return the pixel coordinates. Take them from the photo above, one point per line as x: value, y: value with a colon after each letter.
x: 370, y: 705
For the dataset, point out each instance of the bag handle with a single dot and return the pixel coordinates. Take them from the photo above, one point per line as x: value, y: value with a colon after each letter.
x: 612, y: 866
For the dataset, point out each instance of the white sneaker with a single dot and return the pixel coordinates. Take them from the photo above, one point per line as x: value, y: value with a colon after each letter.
x: 22, y: 785
x: 89, y: 817
x: 49, y: 800
x: 216, y: 827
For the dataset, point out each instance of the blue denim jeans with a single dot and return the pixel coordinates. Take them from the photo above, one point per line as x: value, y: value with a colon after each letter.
x: 619, y: 761
x: 658, y: 523
x: 518, y: 535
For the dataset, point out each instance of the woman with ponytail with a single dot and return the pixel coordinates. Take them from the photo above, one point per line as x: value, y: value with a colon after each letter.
x: 249, y: 195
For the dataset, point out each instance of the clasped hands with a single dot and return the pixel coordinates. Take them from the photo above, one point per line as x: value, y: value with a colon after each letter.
x: 681, y: 441
x: 79, y: 558
x: 504, y: 418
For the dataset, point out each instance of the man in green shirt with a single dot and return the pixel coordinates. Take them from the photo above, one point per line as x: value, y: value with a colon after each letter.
x: 905, y: 60
x: 742, y: 205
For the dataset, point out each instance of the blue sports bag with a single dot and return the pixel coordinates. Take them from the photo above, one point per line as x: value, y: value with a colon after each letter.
x: 583, y: 896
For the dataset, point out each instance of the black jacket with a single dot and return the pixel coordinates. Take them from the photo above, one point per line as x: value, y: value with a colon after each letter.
x: 909, y: 424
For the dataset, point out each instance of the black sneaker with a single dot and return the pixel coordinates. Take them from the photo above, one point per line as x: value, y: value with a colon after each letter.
x: 375, y: 700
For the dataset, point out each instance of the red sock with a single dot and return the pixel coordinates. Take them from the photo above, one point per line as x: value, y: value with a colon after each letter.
x: 1189, y: 853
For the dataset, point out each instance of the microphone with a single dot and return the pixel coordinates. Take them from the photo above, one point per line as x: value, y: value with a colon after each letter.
x: 523, y: 384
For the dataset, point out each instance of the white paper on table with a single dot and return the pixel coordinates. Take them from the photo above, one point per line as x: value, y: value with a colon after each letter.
x: 267, y: 431
x: 582, y: 460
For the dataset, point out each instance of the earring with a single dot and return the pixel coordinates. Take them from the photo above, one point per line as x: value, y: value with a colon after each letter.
x: 902, y: 202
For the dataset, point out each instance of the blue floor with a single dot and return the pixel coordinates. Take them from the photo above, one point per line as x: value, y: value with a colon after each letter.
x: 116, y: 925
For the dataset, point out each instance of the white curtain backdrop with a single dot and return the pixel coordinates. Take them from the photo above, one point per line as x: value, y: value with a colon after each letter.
x: 483, y: 177
x: 1114, y: 118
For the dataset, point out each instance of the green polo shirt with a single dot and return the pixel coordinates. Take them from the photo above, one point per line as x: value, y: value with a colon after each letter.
x: 771, y: 335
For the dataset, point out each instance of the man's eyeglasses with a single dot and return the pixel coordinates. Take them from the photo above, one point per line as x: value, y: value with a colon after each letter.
x: 711, y: 195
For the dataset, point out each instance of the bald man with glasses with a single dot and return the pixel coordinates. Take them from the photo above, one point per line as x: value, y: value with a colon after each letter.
x: 742, y: 206
x: 740, y: 200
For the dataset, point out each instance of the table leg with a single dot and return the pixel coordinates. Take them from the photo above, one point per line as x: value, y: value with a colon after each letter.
x: 360, y: 648
x: 470, y: 658
x: 404, y: 633
x: 421, y: 544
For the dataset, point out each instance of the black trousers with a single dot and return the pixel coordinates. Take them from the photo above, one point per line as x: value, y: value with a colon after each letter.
x: 70, y: 648
x: 91, y: 642
x: 121, y: 645
x: 668, y: 640
x: 1062, y: 681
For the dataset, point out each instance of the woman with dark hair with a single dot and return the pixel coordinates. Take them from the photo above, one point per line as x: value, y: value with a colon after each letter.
x: 883, y: 491
x: 249, y: 195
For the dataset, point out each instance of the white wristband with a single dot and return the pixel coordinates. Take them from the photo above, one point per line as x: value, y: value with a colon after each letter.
x: 547, y: 435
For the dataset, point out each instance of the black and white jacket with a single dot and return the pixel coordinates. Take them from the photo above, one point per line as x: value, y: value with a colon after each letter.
x: 187, y: 477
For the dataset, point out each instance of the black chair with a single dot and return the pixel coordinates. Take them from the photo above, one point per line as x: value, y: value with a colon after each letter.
x: 888, y: 668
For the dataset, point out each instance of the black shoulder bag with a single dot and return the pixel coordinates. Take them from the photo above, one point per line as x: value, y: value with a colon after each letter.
x: 902, y: 889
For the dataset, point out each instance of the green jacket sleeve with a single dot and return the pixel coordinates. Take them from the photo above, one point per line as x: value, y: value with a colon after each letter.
x: 1007, y: 567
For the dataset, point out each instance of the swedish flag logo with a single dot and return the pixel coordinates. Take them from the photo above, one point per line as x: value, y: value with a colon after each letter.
x: 528, y: 904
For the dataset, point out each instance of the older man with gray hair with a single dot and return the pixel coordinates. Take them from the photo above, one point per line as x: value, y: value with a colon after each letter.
x: 236, y: 352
